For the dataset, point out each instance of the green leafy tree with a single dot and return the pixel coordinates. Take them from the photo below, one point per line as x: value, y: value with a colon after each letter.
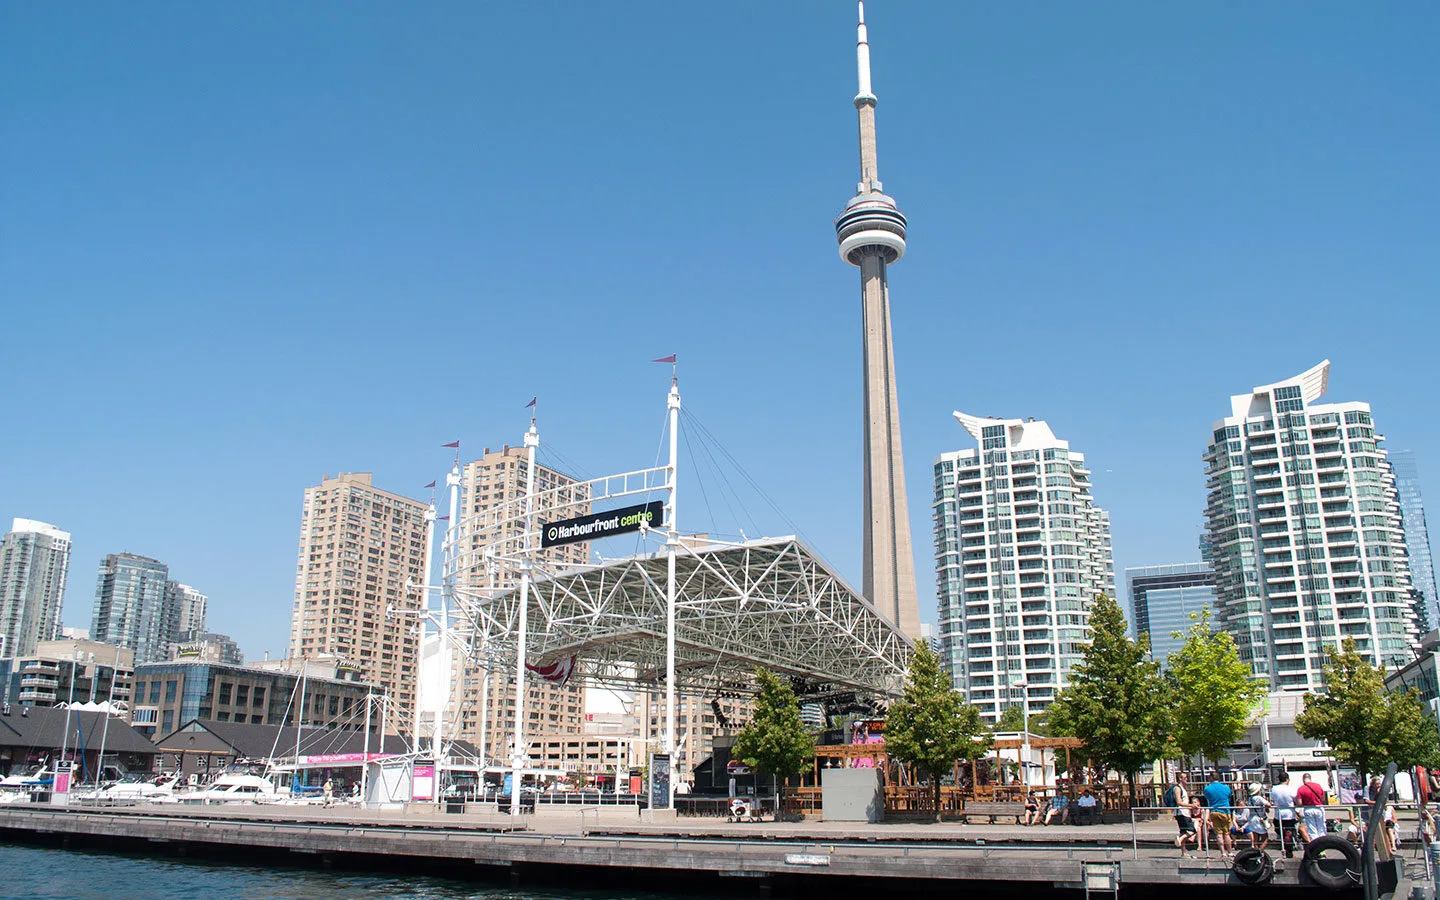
x: 1116, y: 701
x: 775, y: 740
x: 931, y: 726
x: 1216, y: 695
x: 1363, y: 724
x: 1012, y: 719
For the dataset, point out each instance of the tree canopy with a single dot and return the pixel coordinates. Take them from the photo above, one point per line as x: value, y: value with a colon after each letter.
x: 931, y: 726
x: 775, y: 740
x: 1116, y: 701
x: 1216, y: 695
x: 1363, y: 724
x: 1011, y: 719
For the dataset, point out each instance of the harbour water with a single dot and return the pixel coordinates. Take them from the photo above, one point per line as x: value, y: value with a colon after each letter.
x: 47, y: 874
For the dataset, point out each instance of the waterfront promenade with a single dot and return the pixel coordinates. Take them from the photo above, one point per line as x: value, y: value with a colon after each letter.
x: 571, y: 844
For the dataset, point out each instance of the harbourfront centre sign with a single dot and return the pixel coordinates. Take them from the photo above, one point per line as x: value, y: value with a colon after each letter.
x: 603, y: 524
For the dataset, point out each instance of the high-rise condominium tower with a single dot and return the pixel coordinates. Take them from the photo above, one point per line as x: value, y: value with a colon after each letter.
x: 1305, y: 529
x: 192, y: 605
x: 34, y: 565
x: 1162, y: 599
x: 1021, y: 553
x: 496, y: 477
x: 871, y: 232
x: 134, y: 608
x: 1417, y: 532
x: 359, y: 546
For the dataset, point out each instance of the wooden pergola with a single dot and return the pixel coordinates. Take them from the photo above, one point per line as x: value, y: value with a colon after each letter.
x: 845, y: 755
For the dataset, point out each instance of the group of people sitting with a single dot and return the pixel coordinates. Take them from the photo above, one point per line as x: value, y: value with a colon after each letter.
x: 1061, y: 810
x: 1298, y: 815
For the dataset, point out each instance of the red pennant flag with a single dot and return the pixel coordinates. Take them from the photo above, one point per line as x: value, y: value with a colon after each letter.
x: 666, y: 359
x: 454, y: 445
x: 531, y: 404
x: 430, y: 485
x: 442, y: 518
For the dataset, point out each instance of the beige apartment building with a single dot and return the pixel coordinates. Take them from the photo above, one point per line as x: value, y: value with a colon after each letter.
x: 696, y: 727
x: 359, y: 546
x: 496, y: 477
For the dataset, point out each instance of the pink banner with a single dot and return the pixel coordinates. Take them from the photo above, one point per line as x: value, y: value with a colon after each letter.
x: 327, y: 758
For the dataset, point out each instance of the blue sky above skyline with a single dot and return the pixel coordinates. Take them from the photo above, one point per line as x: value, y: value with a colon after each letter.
x: 242, y: 247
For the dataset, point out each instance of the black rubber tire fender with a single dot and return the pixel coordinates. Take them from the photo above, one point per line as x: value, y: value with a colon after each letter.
x: 1343, y: 881
x: 1253, y: 866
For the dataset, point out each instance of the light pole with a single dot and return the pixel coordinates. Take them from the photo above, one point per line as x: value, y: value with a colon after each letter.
x: 1024, y: 687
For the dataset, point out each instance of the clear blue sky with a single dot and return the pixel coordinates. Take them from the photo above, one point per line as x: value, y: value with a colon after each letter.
x: 244, y: 245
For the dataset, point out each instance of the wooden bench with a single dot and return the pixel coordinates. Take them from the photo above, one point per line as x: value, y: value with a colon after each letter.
x: 993, y: 809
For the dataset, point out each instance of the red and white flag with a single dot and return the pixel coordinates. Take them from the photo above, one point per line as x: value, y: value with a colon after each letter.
x: 558, y: 671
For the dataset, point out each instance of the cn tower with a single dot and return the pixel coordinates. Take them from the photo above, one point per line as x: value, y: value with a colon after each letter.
x: 871, y: 232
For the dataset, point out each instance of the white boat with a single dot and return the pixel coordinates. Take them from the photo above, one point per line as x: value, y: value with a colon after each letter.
x: 21, y: 788
x: 234, y: 788
x: 156, y: 790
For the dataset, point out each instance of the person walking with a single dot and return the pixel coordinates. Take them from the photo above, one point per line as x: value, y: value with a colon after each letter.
x: 1218, y: 798
x: 329, y: 791
x: 1310, y: 798
x: 1282, y: 795
x: 1178, y: 799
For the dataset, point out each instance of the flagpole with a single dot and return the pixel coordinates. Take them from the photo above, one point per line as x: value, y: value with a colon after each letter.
x: 424, y: 607
x: 517, y: 756
x: 452, y: 480
x: 672, y: 542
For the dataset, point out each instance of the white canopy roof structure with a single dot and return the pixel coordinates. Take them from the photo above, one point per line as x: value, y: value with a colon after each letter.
x: 769, y: 602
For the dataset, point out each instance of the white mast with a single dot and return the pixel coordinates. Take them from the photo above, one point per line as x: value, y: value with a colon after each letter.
x: 518, y: 754
x: 672, y: 543
x: 300, y: 718
x: 365, y: 756
x: 110, y: 704
x: 424, y: 606
x: 487, y: 670
x: 65, y: 735
x: 452, y: 480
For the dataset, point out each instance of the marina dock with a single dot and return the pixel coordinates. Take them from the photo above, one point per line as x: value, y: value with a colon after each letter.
x: 614, y: 847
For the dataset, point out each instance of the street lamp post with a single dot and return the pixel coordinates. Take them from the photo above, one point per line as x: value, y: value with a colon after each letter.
x: 1024, y: 687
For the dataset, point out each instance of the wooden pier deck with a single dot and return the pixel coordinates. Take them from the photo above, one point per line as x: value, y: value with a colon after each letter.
x: 568, y: 846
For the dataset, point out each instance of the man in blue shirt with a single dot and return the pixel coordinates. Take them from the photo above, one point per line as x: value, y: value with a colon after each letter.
x: 1218, y: 798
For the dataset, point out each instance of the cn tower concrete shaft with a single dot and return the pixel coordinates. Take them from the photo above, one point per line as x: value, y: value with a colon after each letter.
x: 871, y: 232
x: 889, y: 556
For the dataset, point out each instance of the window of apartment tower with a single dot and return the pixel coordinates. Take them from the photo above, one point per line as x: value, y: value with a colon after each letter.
x: 259, y: 697
x: 224, y: 693
x: 242, y: 694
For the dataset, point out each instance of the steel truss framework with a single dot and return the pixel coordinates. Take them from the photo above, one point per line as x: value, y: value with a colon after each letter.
x: 769, y: 602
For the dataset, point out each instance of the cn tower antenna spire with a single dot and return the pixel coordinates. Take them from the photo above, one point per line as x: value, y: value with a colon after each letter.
x: 871, y: 233
x: 865, y: 106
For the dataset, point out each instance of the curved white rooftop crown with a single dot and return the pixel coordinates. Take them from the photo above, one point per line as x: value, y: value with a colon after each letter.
x: 1023, y: 434
x: 1313, y: 382
x: 32, y: 526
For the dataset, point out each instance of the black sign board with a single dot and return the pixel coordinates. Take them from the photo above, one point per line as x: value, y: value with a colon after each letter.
x: 603, y: 524
x: 659, y: 781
